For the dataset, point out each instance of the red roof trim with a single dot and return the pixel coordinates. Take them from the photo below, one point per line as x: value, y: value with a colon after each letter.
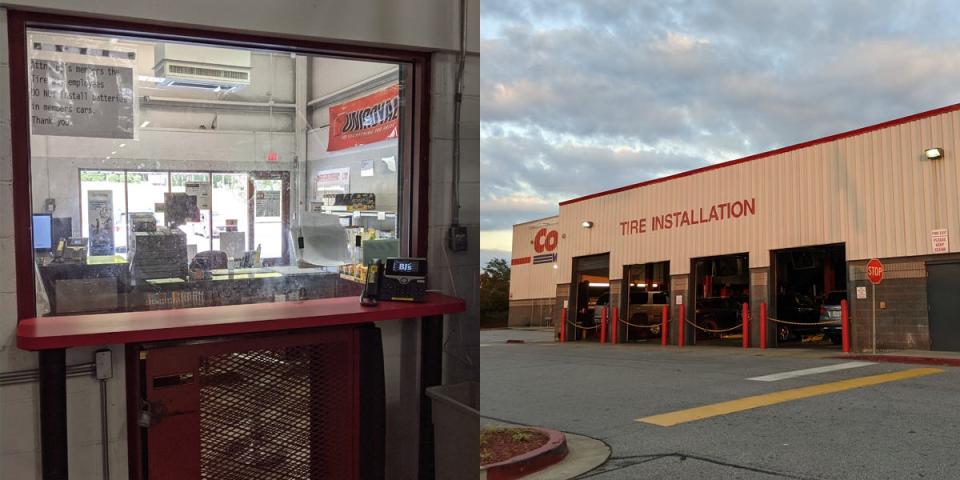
x: 851, y: 133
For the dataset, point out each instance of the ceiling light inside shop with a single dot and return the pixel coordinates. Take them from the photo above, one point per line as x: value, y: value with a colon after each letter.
x: 599, y: 284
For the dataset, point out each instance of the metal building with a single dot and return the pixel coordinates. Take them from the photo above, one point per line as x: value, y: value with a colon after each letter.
x: 791, y: 229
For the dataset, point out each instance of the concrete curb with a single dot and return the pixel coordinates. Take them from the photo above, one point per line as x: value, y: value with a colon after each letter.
x: 585, y: 455
x: 550, y: 453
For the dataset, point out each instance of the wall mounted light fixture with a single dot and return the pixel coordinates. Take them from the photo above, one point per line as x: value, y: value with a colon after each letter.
x: 586, y: 224
x: 933, y: 153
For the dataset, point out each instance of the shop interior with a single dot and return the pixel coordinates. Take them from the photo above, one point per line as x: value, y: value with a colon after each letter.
x: 590, y: 295
x: 809, y: 282
x: 169, y: 175
x: 721, y: 288
x: 648, y: 292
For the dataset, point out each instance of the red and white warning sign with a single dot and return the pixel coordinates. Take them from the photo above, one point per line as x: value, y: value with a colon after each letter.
x: 874, y: 271
x: 940, y: 241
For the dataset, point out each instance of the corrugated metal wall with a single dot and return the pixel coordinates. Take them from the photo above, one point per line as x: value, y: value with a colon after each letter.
x: 874, y: 191
x: 528, y: 281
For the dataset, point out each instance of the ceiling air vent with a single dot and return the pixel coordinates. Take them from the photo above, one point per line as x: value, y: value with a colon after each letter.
x: 206, y: 68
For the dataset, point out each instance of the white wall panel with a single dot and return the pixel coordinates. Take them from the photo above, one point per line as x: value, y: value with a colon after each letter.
x: 529, y: 280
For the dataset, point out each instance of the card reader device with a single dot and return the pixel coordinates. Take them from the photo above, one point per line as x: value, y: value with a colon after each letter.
x: 397, y: 279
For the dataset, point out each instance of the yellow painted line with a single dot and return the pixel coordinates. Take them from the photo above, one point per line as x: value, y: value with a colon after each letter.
x: 723, y: 408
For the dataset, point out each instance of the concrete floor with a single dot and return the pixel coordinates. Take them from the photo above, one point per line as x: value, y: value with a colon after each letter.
x: 899, y: 430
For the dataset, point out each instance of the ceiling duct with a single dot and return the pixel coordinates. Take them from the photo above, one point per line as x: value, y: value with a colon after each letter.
x: 206, y: 68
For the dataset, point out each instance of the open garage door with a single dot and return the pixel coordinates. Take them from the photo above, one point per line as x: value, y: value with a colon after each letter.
x: 589, y: 295
x: 809, y: 283
x: 647, y: 288
x: 721, y: 288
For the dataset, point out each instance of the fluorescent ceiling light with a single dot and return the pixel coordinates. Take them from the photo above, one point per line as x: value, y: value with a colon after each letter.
x: 599, y: 284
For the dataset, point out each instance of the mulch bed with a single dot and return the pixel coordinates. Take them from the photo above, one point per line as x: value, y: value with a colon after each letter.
x: 499, y: 444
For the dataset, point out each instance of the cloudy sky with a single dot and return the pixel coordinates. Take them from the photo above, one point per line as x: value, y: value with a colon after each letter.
x: 582, y: 96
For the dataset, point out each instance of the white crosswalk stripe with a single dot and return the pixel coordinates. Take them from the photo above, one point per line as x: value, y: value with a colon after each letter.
x: 809, y: 371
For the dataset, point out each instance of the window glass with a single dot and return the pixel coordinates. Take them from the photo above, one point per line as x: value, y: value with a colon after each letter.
x: 230, y: 214
x: 268, y: 227
x: 103, y: 194
x: 188, y: 174
x: 196, y: 228
x: 146, y: 193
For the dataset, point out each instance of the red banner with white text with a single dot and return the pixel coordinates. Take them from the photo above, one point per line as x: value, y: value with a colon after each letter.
x: 365, y: 120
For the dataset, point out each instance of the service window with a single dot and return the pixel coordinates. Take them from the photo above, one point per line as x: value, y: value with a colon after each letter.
x: 170, y: 174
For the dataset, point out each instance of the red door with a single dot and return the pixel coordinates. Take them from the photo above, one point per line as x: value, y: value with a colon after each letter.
x: 282, y: 406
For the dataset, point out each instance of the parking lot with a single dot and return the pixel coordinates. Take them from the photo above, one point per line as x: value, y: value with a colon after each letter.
x: 840, y: 420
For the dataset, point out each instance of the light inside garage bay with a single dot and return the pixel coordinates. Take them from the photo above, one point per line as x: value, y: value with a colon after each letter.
x: 599, y: 284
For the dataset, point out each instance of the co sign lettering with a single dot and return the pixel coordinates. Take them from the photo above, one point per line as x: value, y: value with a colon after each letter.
x: 546, y: 241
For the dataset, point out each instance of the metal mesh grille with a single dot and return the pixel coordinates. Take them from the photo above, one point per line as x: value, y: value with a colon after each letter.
x: 266, y: 414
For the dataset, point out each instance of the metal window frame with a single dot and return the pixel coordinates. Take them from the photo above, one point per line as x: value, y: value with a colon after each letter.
x: 414, y: 124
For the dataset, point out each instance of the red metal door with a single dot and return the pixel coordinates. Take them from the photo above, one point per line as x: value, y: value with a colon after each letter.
x: 282, y: 406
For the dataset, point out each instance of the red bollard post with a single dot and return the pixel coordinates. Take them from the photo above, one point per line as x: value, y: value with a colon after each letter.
x: 680, y: 321
x: 845, y: 325
x: 615, y: 320
x: 763, y: 326
x: 603, y: 326
x: 563, y: 325
x: 746, y: 325
x: 664, y: 337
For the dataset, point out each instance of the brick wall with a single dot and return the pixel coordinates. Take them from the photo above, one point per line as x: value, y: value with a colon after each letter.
x: 759, y: 291
x: 563, y: 295
x: 534, y: 312
x: 903, y: 324
x: 679, y: 286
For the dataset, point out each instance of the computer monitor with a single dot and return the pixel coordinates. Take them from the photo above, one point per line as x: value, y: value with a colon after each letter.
x: 42, y: 232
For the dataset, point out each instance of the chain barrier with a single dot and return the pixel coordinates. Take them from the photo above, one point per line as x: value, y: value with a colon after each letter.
x: 804, y: 324
x: 652, y: 325
x: 583, y: 328
x: 698, y: 327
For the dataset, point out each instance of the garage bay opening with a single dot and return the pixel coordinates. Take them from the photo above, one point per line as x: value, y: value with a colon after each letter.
x: 809, y: 283
x: 647, y: 288
x: 721, y: 288
x: 590, y: 294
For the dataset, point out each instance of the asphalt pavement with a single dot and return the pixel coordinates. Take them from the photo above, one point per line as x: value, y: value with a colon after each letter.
x: 843, y: 423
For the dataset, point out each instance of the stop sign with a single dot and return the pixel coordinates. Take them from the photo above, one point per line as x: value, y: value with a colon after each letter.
x: 874, y: 271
